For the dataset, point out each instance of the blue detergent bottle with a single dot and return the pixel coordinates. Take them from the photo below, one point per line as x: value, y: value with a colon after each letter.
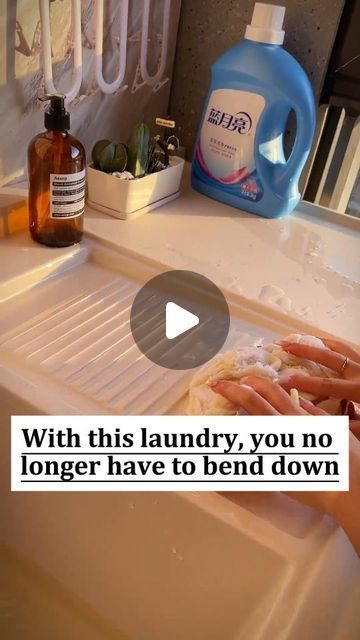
x: 239, y: 155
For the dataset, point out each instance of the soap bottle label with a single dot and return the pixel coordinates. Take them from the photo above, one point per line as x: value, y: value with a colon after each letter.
x: 67, y: 194
x: 225, y: 148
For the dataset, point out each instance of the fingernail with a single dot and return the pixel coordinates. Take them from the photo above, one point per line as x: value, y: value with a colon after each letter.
x: 213, y: 384
x: 249, y: 379
x: 285, y: 346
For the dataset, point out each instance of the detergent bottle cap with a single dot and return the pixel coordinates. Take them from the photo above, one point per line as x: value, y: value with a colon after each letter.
x: 266, y: 24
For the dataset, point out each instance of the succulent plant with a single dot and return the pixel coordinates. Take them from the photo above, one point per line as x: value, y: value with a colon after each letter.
x: 138, y: 150
x: 141, y: 157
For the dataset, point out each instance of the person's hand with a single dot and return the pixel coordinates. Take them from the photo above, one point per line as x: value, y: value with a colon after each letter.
x: 261, y: 396
x: 339, y: 357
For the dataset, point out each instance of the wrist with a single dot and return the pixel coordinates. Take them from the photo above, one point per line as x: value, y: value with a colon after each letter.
x: 345, y: 507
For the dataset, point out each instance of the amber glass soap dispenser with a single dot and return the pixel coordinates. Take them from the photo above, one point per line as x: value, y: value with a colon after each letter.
x: 56, y: 165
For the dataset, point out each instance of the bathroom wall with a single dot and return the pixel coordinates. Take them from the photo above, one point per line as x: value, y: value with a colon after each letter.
x: 210, y: 27
x: 93, y: 115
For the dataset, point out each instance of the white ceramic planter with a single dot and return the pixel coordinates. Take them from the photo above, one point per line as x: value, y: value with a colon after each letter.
x: 121, y: 198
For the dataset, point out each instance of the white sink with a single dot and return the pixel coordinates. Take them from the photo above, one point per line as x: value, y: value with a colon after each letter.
x: 150, y: 566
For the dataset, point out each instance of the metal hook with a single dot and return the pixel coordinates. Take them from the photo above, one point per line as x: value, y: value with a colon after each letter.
x: 46, y: 49
x: 99, y: 21
x: 156, y: 79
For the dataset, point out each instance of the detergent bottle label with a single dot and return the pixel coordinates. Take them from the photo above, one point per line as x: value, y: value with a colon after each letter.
x: 225, y: 148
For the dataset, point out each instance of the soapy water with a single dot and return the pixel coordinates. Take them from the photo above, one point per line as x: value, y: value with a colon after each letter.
x: 316, y: 248
x: 304, y: 312
x: 271, y: 294
x: 325, y: 275
x: 234, y: 285
x: 313, y: 256
x: 275, y: 296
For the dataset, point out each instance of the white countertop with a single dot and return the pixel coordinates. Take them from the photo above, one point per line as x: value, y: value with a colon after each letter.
x: 307, y: 266
x: 303, y: 265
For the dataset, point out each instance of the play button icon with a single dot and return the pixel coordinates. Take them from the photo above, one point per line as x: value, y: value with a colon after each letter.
x: 179, y: 319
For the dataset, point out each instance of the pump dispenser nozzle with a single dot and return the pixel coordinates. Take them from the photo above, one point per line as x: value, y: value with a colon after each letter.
x: 56, y: 117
